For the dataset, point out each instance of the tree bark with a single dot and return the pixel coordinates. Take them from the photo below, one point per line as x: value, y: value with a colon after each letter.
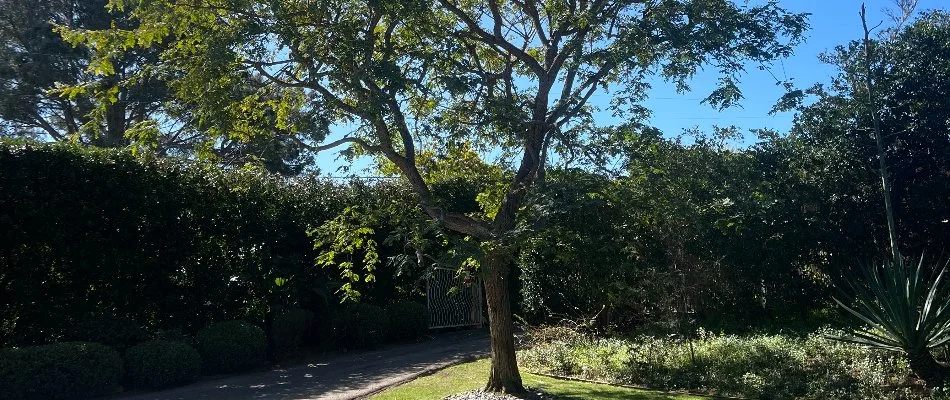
x: 504, y: 376
x: 923, y: 364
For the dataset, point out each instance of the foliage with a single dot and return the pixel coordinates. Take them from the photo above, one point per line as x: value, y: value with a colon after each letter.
x: 834, y: 124
x: 197, y: 243
x: 407, y: 320
x: 68, y: 370
x: 232, y: 346
x: 159, y: 364
x: 694, y: 232
x: 289, y: 328
x: 756, y: 366
x: 361, y: 325
x: 118, y: 332
x: 905, y: 303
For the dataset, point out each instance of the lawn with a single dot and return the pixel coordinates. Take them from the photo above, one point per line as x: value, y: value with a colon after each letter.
x: 470, y: 376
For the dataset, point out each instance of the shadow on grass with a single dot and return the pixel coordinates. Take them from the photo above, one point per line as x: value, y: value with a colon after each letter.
x: 570, y: 390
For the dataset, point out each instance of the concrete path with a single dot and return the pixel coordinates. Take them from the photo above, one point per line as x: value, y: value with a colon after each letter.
x: 341, y: 377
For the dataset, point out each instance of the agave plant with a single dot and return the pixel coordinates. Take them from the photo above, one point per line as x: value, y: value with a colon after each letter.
x: 908, y: 310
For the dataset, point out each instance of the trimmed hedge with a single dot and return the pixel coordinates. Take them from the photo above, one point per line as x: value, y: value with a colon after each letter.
x: 361, y: 325
x: 118, y: 332
x: 289, y: 328
x: 68, y: 370
x: 231, y: 346
x: 172, y: 244
x: 159, y: 364
x: 407, y: 320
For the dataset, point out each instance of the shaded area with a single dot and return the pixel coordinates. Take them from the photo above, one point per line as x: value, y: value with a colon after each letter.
x: 343, y: 376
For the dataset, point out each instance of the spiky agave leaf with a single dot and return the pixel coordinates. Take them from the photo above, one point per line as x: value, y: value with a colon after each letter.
x: 907, y: 309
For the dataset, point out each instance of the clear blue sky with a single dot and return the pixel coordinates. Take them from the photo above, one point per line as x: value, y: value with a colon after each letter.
x: 833, y: 22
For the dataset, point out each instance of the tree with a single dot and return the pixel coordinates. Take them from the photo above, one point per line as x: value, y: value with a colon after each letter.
x: 512, y: 77
x: 910, y: 66
x: 129, y: 105
x: 35, y: 62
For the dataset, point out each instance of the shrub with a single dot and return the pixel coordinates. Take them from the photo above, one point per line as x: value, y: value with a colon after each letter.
x: 118, y: 332
x: 361, y: 325
x: 289, y: 328
x: 69, y: 370
x: 754, y: 366
x: 407, y: 320
x: 231, y: 347
x: 158, y: 364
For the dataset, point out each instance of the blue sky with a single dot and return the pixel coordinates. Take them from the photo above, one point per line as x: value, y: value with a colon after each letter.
x: 833, y: 22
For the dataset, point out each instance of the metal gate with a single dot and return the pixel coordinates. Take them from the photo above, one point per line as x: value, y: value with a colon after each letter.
x: 454, y: 300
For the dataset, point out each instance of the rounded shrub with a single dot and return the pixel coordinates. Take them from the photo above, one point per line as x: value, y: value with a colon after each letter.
x: 118, y: 332
x: 231, y: 347
x: 407, y: 320
x: 360, y: 326
x: 159, y: 364
x: 68, y: 370
x: 289, y: 328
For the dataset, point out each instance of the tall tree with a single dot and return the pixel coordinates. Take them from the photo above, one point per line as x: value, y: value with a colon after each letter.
x: 910, y: 66
x: 129, y: 105
x: 512, y: 77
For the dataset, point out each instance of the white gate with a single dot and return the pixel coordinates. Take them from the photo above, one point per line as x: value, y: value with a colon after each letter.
x: 453, y: 300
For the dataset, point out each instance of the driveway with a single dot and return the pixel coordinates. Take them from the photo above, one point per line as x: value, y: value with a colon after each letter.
x: 340, y: 377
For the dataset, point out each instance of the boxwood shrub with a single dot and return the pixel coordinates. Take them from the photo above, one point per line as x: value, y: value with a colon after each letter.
x: 158, y: 364
x: 407, y: 320
x: 361, y: 325
x: 289, y: 328
x: 231, y: 346
x: 68, y: 370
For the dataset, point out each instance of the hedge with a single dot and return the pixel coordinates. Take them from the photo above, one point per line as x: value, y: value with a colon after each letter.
x: 231, y: 346
x: 171, y: 244
x: 69, y: 370
x: 289, y: 328
x: 361, y: 325
x: 158, y: 364
x: 407, y: 320
x: 118, y: 332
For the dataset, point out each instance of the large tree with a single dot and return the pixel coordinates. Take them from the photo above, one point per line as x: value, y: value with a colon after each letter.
x: 129, y: 105
x: 514, y: 78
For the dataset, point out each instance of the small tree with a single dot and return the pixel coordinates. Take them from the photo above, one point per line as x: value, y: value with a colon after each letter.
x: 512, y: 77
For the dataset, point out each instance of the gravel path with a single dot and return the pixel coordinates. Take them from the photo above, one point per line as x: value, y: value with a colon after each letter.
x: 342, y: 377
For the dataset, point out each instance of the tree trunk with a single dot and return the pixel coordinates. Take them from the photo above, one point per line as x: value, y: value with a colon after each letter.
x: 504, y: 376
x: 923, y: 364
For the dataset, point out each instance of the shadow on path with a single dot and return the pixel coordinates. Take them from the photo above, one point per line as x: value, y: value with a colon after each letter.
x: 345, y: 376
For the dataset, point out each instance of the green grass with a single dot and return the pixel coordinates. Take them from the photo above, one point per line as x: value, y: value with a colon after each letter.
x: 471, y: 376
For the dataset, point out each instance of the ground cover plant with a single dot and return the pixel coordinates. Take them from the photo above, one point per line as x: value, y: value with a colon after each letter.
x: 759, y: 366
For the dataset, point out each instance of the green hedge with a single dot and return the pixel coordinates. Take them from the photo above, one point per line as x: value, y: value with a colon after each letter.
x: 158, y: 364
x: 69, y: 370
x: 289, y: 328
x: 118, y: 332
x: 407, y: 320
x: 231, y: 346
x: 360, y: 326
x: 172, y: 244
